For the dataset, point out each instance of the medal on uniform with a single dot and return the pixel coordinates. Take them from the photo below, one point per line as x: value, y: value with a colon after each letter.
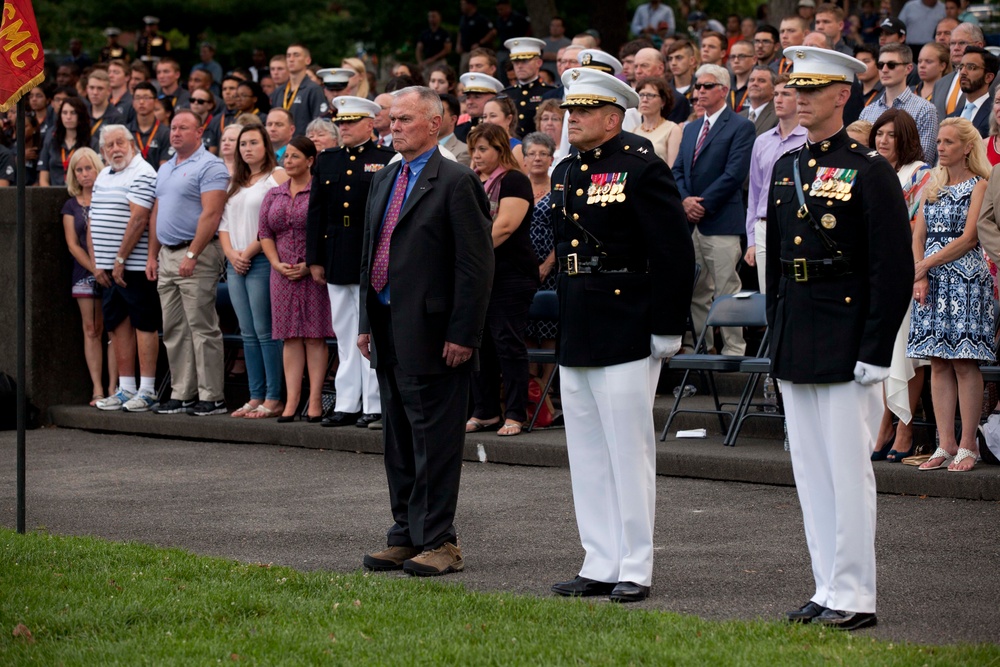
x: 828, y: 221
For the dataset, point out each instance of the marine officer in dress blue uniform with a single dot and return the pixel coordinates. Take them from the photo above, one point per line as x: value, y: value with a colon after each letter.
x: 839, y: 281
x: 335, y: 229
x: 625, y: 265
x: 479, y: 89
x: 526, y: 55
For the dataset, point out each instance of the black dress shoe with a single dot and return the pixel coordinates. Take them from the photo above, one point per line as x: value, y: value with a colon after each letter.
x: 314, y: 420
x: 366, y: 419
x: 286, y: 419
x: 627, y: 591
x: 805, y: 613
x: 846, y: 620
x: 582, y: 587
x: 341, y: 419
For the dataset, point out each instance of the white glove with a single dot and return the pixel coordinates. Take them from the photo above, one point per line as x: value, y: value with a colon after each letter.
x: 867, y: 374
x: 662, y: 347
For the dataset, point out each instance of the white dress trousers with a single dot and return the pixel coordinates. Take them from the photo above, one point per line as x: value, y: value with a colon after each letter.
x: 357, y: 387
x: 612, y: 456
x: 831, y: 433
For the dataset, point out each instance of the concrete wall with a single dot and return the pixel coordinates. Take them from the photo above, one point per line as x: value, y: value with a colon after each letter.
x: 56, y: 369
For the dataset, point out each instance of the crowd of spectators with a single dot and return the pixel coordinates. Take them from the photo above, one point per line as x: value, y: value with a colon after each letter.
x: 713, y: 106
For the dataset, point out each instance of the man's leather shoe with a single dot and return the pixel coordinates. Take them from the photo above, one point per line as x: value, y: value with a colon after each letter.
x: 627, y: 591
x: 365, y: 420
x: 434, y: 562
x: 581, y: 587
x: 846, y: 620
x: 805, y: 613
x: 390, y: 558
x: 341, y: 419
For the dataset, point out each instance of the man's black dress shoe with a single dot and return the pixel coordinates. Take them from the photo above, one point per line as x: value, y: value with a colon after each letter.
x: 805, y: 613
x: 846, y: 620
x: 341, y: 419
x: 365, y: 420
x: 627, y: 591
x: 582, y: 587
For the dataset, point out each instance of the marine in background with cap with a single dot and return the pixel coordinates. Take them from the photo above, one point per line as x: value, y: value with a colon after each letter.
x: 151, y: 45
x: 526, y: 56
x: 626, y: 264
x: 335, y: 81
x: 112, y: 50
x: 335, y: 228
x: 838, y: 281
x: 479, y: 89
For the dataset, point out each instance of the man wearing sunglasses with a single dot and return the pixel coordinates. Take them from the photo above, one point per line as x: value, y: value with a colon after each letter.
x: 895, y: 61
x: 711, y: 167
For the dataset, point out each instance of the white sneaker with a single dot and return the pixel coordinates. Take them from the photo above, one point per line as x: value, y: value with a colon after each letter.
x: 141, y: 402
x: 115, y: 402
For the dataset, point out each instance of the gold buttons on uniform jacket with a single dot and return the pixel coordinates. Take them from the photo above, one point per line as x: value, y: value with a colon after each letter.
x: 347, y: 188
x: 812, y: 163
x: 576, y: 216
x: 777, y: 201
x: 797, y: 240
x: 574, y: 242
x: 347, y: 204
x: 583, y: 167
x: 626, y: 147
x: 520, y: 116
x: 328, y: 182
x: 579, y: 192
x: 349, y: 172
x: 618, y: 292
x: 353, y: 158
x: 847, y: 299
x: 805, y: 186
x: 523, y: 103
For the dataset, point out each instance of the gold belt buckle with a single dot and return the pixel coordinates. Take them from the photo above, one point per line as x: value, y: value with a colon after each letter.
x: 572, y: 265
x: 801, y: 270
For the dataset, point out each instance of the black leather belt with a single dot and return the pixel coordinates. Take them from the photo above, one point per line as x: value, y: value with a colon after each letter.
x: 804, y: 270
x: 183, y: 244
x: 573, y: 264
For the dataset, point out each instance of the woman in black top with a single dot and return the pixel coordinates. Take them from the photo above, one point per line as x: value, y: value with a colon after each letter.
x: 72, y: 131
x: 515, y: 279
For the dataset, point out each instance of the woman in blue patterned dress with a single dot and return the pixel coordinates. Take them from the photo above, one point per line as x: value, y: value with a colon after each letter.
x: 952, y: 317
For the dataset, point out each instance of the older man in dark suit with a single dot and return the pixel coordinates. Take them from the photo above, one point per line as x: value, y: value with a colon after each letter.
x: 713, y: 163
x: 426, y: 273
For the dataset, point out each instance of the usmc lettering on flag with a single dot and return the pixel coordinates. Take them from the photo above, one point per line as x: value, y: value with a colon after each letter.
x: 22, y: 59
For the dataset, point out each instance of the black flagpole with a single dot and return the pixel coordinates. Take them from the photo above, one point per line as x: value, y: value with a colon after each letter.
x: 22, y: 413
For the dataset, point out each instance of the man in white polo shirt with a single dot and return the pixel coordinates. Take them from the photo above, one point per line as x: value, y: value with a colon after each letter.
x: 119, y: 241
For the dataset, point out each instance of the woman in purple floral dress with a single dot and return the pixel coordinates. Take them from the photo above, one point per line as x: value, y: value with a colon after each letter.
x: 300, y: 308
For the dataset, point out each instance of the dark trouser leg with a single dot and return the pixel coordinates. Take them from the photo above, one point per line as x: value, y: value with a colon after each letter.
x: 508, y: 338
x: 486, y: 381
x: 397, y: 440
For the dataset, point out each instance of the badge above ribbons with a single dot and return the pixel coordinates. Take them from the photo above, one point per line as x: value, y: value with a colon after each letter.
x: 606, y: 188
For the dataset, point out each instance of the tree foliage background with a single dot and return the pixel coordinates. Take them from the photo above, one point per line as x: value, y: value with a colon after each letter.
x: 332, y: 29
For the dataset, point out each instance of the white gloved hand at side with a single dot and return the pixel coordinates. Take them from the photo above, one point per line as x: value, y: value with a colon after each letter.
x: 661, y: 347
x: 867, y: 374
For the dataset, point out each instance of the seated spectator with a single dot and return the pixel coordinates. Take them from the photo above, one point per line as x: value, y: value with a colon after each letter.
x: 655, y: 103
x: 952, y: 320
x: 503, y: 355
x: 549, y: 119
x: 500, y: 111
x: 228, y: 144
x: 300, y: 307
x: 443, y: 80
x: 72, y: 131
x: 248, y: 271
x: 860, y: 131
x: 323, y: 133
x: 446, y: 135
x: 894, y: 135
x: 119, y: 239
x: 83, y: 169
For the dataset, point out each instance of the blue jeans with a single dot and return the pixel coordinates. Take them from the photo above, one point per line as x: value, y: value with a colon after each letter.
x: 251, y: 297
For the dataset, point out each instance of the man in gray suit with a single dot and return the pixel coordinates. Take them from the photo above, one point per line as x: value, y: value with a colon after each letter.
x: 452, y: 109
x: 760, y: 99
x: 947, y: 94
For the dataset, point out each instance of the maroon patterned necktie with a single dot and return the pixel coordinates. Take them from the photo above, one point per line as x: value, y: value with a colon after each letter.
x: 701, y: 141
x: 380, y: 267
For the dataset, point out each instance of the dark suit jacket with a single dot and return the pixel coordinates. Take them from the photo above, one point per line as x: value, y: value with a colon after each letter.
x: 719, y: 173
x: 440, y: 264
x: 940, y: 96
x: 766, y: 120
x: 982, y: 118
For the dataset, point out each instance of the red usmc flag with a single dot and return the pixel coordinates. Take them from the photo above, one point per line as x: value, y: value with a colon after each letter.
x: 21, y: 56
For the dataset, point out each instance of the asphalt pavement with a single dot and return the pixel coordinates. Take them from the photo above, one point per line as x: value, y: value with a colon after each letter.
x: 724, y: 549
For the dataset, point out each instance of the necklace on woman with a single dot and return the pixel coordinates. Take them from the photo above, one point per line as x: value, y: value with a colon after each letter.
x: 647, y: 128
x: 540, y: 192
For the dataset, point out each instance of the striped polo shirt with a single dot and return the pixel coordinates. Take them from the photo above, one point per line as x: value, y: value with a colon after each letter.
x: 109, y: 212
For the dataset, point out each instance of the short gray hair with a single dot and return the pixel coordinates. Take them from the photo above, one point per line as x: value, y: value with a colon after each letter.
x: 769, y: 71
x: 324, y: 125
x: 539, y: 138
x: 720, y: 74
x: 110, y: 129
x: 426, y: 96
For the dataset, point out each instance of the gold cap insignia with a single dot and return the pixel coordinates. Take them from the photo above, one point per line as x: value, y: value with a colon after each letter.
x: 587, y: 58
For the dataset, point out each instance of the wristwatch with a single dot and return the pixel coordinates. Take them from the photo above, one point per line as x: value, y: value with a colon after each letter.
x: 190, y: 255
x: 120, y: 260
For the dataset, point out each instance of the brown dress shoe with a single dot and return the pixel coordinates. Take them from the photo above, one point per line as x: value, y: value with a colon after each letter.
x: 446, y: 558
x: 390, y: 558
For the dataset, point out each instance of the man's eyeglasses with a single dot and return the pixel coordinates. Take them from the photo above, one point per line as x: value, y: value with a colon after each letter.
x: 706, y: 86
x: 198, y: 100
x: 890, y: 65
x: 969, y: 67
x: 739, y: 56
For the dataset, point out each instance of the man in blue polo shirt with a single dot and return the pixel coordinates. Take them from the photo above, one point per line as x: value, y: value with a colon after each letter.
x: 186, y: 260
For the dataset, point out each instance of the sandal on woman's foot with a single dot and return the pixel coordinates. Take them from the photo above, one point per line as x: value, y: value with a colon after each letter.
x: 895, y: 456
x: 939, y: 453
x: 963, y: 454
x: 244, y: 411
x: 475, y: 425
x: 261, y: 412
x: 881, y: 452
x: 510, y: 428
x: 95, y: 398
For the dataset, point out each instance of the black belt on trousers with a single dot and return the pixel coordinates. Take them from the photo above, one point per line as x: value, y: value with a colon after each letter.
x: 573, y: 264
x: 182, y: 244
x: 804, y: 270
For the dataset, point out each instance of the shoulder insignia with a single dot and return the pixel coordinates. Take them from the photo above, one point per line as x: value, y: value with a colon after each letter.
x: 872, y: 153
x: 641, y: 149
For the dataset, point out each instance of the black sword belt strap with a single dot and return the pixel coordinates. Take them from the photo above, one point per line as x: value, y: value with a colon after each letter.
x: 805, y: 214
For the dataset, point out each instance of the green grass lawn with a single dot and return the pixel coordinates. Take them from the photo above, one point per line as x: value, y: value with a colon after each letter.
x: 90, y: 602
